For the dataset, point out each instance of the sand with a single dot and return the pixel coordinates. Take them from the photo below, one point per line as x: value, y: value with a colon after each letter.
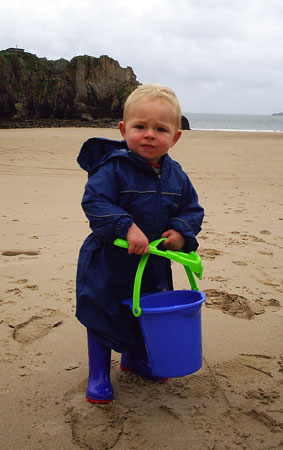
x: 235, y: 400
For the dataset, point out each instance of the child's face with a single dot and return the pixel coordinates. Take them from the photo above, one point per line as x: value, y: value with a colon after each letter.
x: 150, y: 129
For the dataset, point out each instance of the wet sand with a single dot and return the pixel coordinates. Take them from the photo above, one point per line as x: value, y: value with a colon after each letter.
x: 235, y: 400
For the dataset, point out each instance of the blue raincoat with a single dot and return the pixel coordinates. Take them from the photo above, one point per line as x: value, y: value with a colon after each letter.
x: 123, y: 189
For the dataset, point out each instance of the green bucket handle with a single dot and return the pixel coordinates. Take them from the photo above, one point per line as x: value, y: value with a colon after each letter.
x: 191, y: 262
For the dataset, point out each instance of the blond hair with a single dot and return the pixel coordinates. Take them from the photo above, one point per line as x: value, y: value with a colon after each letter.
x: 152, y: 91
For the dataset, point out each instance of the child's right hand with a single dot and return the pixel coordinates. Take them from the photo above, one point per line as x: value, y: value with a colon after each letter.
x: 137, y: 240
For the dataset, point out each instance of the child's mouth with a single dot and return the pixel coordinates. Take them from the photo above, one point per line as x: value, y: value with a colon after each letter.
x: 148, y: 147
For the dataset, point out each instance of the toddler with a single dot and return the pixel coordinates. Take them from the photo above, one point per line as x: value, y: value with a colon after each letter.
x: 135, y: 191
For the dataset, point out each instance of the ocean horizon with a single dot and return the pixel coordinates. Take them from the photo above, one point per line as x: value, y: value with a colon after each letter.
x: 235, y: 122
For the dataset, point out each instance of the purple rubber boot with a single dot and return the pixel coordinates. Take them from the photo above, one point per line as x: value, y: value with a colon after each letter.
x: 99, y: 388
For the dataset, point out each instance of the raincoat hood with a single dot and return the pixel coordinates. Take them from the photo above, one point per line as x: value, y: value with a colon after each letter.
x: 97, y: 151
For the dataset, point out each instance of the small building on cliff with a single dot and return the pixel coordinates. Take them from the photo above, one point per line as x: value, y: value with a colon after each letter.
x: 15, y: 50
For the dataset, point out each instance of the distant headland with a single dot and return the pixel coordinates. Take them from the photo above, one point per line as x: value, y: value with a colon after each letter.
x: 85, y: 89
x: 277, y: 114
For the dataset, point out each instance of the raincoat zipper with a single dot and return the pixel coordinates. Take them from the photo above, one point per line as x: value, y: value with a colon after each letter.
x: 157, y: 208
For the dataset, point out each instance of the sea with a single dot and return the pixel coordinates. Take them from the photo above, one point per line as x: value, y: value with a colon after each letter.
x: 235, y: 122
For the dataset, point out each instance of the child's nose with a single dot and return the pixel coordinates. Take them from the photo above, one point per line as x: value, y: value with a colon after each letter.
x: 149, y: 133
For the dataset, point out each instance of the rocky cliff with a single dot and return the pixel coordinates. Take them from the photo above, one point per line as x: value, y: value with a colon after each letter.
x: 85, y: 87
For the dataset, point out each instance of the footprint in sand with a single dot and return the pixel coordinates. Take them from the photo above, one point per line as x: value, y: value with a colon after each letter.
x: 247, y: 368
x: 240, y: 263
x: 81, y: 416
x: 218, y: 278
x: 273, y: 303
x: 137, y: 415
x: 15, y: 291
x: 266, y: 253
x: 251, y: 382
x: 20, y: 252
x: 197, y: 386
x: 233, y: 304
x: 33, y: 287
x: 263, y: 397
x: 36, y: 327
x: 208, y: 253
x: 254, y: 238
x: 243, y: 238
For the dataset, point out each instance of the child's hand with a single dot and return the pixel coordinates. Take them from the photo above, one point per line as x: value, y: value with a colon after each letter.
x: 175, y: 241
x: 137, y: 240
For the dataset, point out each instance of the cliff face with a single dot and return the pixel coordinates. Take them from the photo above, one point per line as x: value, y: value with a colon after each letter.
x: 32, y: 87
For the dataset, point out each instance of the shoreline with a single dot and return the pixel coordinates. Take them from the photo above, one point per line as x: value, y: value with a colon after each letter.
x: 106, y: 123
x: 236, y: 130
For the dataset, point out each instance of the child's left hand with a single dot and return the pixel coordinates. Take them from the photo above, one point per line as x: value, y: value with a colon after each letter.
x: 174, y: 240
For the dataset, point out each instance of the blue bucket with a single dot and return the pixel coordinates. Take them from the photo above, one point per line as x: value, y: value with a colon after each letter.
x: 170, y: 320
x: 171, y: 327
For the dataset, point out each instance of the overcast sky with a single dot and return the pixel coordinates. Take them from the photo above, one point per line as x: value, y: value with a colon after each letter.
x: 220, y: 56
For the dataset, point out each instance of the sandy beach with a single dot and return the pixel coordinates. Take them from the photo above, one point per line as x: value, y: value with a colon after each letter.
x: 235, y: 400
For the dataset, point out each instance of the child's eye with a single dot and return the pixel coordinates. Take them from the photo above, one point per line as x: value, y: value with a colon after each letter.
x: 161, y: 130
x: 139, y: 127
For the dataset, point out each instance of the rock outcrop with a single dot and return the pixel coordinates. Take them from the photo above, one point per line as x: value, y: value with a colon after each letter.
x: 83, y: 88
x: 185, y: 124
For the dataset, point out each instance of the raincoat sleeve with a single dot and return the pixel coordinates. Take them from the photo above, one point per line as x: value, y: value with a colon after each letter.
x: 189, y: 217
x: 101, y: 204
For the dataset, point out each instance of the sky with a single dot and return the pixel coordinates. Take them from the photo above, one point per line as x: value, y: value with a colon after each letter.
x: 219, y: 56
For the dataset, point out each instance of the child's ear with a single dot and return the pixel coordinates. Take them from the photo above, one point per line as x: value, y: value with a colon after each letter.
x: 122, y: 128
x: 176, y: 137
